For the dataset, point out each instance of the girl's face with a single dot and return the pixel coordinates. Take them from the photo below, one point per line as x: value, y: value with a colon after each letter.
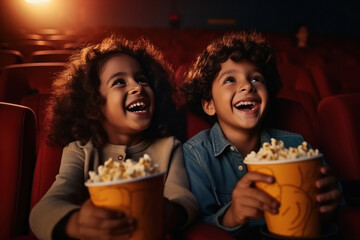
x: 129, y: 100
x: 239, y: 97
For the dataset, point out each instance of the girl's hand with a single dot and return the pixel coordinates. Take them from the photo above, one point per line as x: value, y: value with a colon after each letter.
x: 99, y: 223
x: 250, y: 202
x: 329, y: 194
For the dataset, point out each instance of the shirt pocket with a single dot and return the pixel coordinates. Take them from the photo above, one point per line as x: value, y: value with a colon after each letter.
x: 223, y: 196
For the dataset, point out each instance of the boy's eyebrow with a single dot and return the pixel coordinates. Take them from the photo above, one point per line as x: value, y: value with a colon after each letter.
x: 227, y: 72
x: 256, y: 69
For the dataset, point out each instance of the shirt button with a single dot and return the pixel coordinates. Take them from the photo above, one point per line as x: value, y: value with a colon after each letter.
x: 120, y: 157
x: 232, y: 148
x: 240, y: 167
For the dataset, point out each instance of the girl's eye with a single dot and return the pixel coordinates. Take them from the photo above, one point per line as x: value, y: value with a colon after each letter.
x: 119, y: 81
x: 229, y: 80
x: 142, y: 81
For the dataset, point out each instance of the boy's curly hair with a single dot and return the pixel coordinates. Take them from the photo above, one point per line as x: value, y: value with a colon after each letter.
x: 237, y: 46
x: 74, y: 106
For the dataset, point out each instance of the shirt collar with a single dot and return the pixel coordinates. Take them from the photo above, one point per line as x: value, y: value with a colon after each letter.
x: 218, y: 139
x: 220, y: 142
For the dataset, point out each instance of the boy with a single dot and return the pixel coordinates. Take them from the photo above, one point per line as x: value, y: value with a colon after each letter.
x: 232, y: 83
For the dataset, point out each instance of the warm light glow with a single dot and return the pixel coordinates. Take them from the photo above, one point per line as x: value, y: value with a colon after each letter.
x: 37, y: 1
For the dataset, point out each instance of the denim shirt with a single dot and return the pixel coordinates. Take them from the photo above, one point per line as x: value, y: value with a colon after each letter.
x: 215, y: 166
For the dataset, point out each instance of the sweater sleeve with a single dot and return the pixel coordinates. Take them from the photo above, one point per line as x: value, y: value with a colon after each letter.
x: 177, y: 187
x: 64, y: 196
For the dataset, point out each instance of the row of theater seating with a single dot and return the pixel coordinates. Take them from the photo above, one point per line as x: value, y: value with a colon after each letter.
x: 323, y: 111
x: 29, y: 169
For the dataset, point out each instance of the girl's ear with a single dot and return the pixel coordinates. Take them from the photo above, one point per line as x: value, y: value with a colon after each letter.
x: 208, y: 107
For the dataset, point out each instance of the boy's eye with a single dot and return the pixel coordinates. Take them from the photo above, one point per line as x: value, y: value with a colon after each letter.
x: 142, y: 80
x: 119, y: 81
x: 229, y: 80
x: 257, y: 79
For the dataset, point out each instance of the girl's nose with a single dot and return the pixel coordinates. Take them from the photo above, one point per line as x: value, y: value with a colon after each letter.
x: 135, y: 88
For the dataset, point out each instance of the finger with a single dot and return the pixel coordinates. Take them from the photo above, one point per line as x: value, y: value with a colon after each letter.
x: 252, y: 177
x: 333, y: 195
x: 324, y: 170
x: 249, y: 212
x: 328, y: 208
x: 103, y: 213
x: 118, y: 225
x: 263, y: 204
x: 325, y: 182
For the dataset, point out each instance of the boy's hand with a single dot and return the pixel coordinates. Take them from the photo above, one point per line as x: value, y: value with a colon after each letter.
x: 248, y: 201
x: 99, y: 223
x: 329, y: 194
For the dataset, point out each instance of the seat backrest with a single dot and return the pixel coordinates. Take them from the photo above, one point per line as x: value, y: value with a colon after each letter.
x: 47, y: 167
x: 194, y: 124
x: 38, y: 103
x: 298, y: 78
x: 23, y: 79
x: 17, y: 159
x: 9, y: 57
x: 339, y: 134
x: 291, y: 116
x: 50, y: 56
x: 26, y: 47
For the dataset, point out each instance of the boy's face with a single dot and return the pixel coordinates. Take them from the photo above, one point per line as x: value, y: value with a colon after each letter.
x: 239, y: 96
x: 129, y: 100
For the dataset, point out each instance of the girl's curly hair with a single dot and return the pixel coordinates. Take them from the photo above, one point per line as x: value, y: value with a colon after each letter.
x: 237, y: 46
x: 74, y: 106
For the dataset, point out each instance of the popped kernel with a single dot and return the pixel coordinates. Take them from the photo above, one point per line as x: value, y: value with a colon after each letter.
x: 115, y: 169
x: 275, y: 150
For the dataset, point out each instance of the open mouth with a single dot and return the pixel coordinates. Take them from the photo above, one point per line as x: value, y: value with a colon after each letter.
x: 137, y: 107
x: 246, y: 105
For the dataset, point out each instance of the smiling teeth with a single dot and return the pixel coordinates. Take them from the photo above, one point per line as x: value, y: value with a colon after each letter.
x: 245, y: 103
x: 137, y: 107
x: 138, y: 104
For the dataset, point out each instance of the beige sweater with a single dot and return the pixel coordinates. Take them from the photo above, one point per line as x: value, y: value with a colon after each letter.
x: 68, y: 191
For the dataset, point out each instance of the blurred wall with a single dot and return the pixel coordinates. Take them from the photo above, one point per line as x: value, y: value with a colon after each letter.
x: 323, y: 16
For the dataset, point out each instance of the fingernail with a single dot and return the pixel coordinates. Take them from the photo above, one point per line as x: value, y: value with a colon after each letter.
x: 274, y: 205
x: 274, y: 211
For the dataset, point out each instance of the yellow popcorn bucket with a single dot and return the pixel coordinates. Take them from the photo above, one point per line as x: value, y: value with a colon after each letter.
x: 140, y: 198
x: 296, y: 191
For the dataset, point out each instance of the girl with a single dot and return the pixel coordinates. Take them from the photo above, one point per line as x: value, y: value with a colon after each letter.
x: 112, y: 100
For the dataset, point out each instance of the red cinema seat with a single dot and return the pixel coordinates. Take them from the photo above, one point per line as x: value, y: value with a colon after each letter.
x: 203, y: 231
x: 194, y: 124
x: 23, y: 79
x: 47, y: 167
x: 339, y: 134
x: 17, y: 159
x: 26, y: 47
x: 50, y: 56
x: 37, y: 103
x: 291, y: 116
x: 298, y: 78
x: 9, y: 57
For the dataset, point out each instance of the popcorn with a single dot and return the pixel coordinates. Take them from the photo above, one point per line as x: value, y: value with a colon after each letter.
x: 276, y: 151
x: 116, y: 170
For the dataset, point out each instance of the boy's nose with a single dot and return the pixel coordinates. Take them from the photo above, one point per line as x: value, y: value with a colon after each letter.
x: 246, y: 87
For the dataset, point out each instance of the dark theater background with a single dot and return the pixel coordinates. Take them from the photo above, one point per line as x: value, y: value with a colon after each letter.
x: 320, y: 97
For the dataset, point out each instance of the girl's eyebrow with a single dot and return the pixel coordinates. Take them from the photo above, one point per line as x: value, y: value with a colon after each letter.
x: 122, y: 74
x: 117, y: 74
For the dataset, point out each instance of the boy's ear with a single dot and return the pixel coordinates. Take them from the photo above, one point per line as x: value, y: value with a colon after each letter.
x: 208, y: 107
